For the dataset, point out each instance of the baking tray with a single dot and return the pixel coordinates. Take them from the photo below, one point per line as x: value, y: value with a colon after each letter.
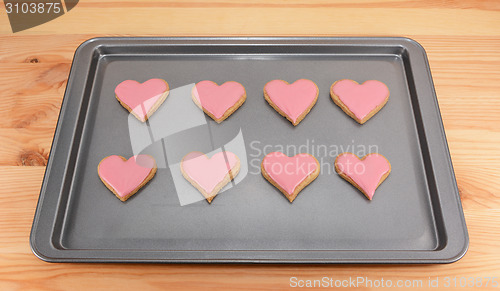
x: 415, y: 216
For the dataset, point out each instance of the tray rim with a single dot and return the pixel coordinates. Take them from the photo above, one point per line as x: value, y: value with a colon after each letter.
x: 43, y: 246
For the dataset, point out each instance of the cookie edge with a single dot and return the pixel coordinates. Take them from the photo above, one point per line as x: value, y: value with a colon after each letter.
x: 233, y: 172
x: 153, y: 109
x: 339, y: 103
x: 229, y: 111
x: 308, y: 180
x: 148, y: 178
x: 351, y: 181
x: 281, y: 112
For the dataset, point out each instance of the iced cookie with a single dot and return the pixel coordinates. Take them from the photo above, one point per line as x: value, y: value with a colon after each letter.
x: 210, y: 175
x: 360, y: 102
x: 125, y: 177
x: 142, y: 100
x: 219, y: 102
x: 293, y: 101
x: 290, y: 174
x: 366, y: 173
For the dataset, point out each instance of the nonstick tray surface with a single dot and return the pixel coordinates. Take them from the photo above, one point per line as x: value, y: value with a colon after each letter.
x: 415, y: 216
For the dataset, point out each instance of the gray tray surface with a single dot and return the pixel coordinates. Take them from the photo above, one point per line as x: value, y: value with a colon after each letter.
x: 415, y: 216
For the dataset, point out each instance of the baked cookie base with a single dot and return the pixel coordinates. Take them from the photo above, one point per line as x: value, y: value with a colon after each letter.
x: 152, y: 110
x: 308, y: 180
x: 350, y: 180
x: 144, y: 182
x: 336, y: 100
x: 209, y: 196
x: 282, y: 113
x: 228, y: 112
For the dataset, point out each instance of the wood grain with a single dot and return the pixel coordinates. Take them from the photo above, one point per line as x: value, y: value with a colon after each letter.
x: 205, y: 17
x: 462, y: 40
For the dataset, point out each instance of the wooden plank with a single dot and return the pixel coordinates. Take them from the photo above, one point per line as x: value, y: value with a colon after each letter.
x: 264, y: 19
x: 25, y: 147
x: 48, y: 49
x: 31, y: 94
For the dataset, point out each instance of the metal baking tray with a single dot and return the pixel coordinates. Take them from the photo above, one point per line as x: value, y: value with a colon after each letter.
x: 415, y: 216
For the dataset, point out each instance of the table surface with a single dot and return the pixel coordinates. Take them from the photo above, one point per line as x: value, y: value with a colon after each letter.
x: 462, y: 40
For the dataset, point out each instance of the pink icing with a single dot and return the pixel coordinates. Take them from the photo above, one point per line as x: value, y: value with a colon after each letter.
x: 141, y: 97
x: 208, y: 172
x: 361, y: 99
x: 125, y: 176
x: 365, y: 173
x: 289, y: 172
x: 218, y: 99
x: 293, y: 99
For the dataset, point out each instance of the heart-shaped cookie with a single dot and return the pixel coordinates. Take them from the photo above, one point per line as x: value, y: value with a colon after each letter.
x: 219, y: 102
x: 366, y: 173
x: 293, y: 101
x: 360, y: 102
x: 210, y: 175
x: 290, y: 174
x: 142, y: 100
x: 125, y: 177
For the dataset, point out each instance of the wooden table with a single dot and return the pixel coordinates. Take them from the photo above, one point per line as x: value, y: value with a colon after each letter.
x: 462, y: 39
